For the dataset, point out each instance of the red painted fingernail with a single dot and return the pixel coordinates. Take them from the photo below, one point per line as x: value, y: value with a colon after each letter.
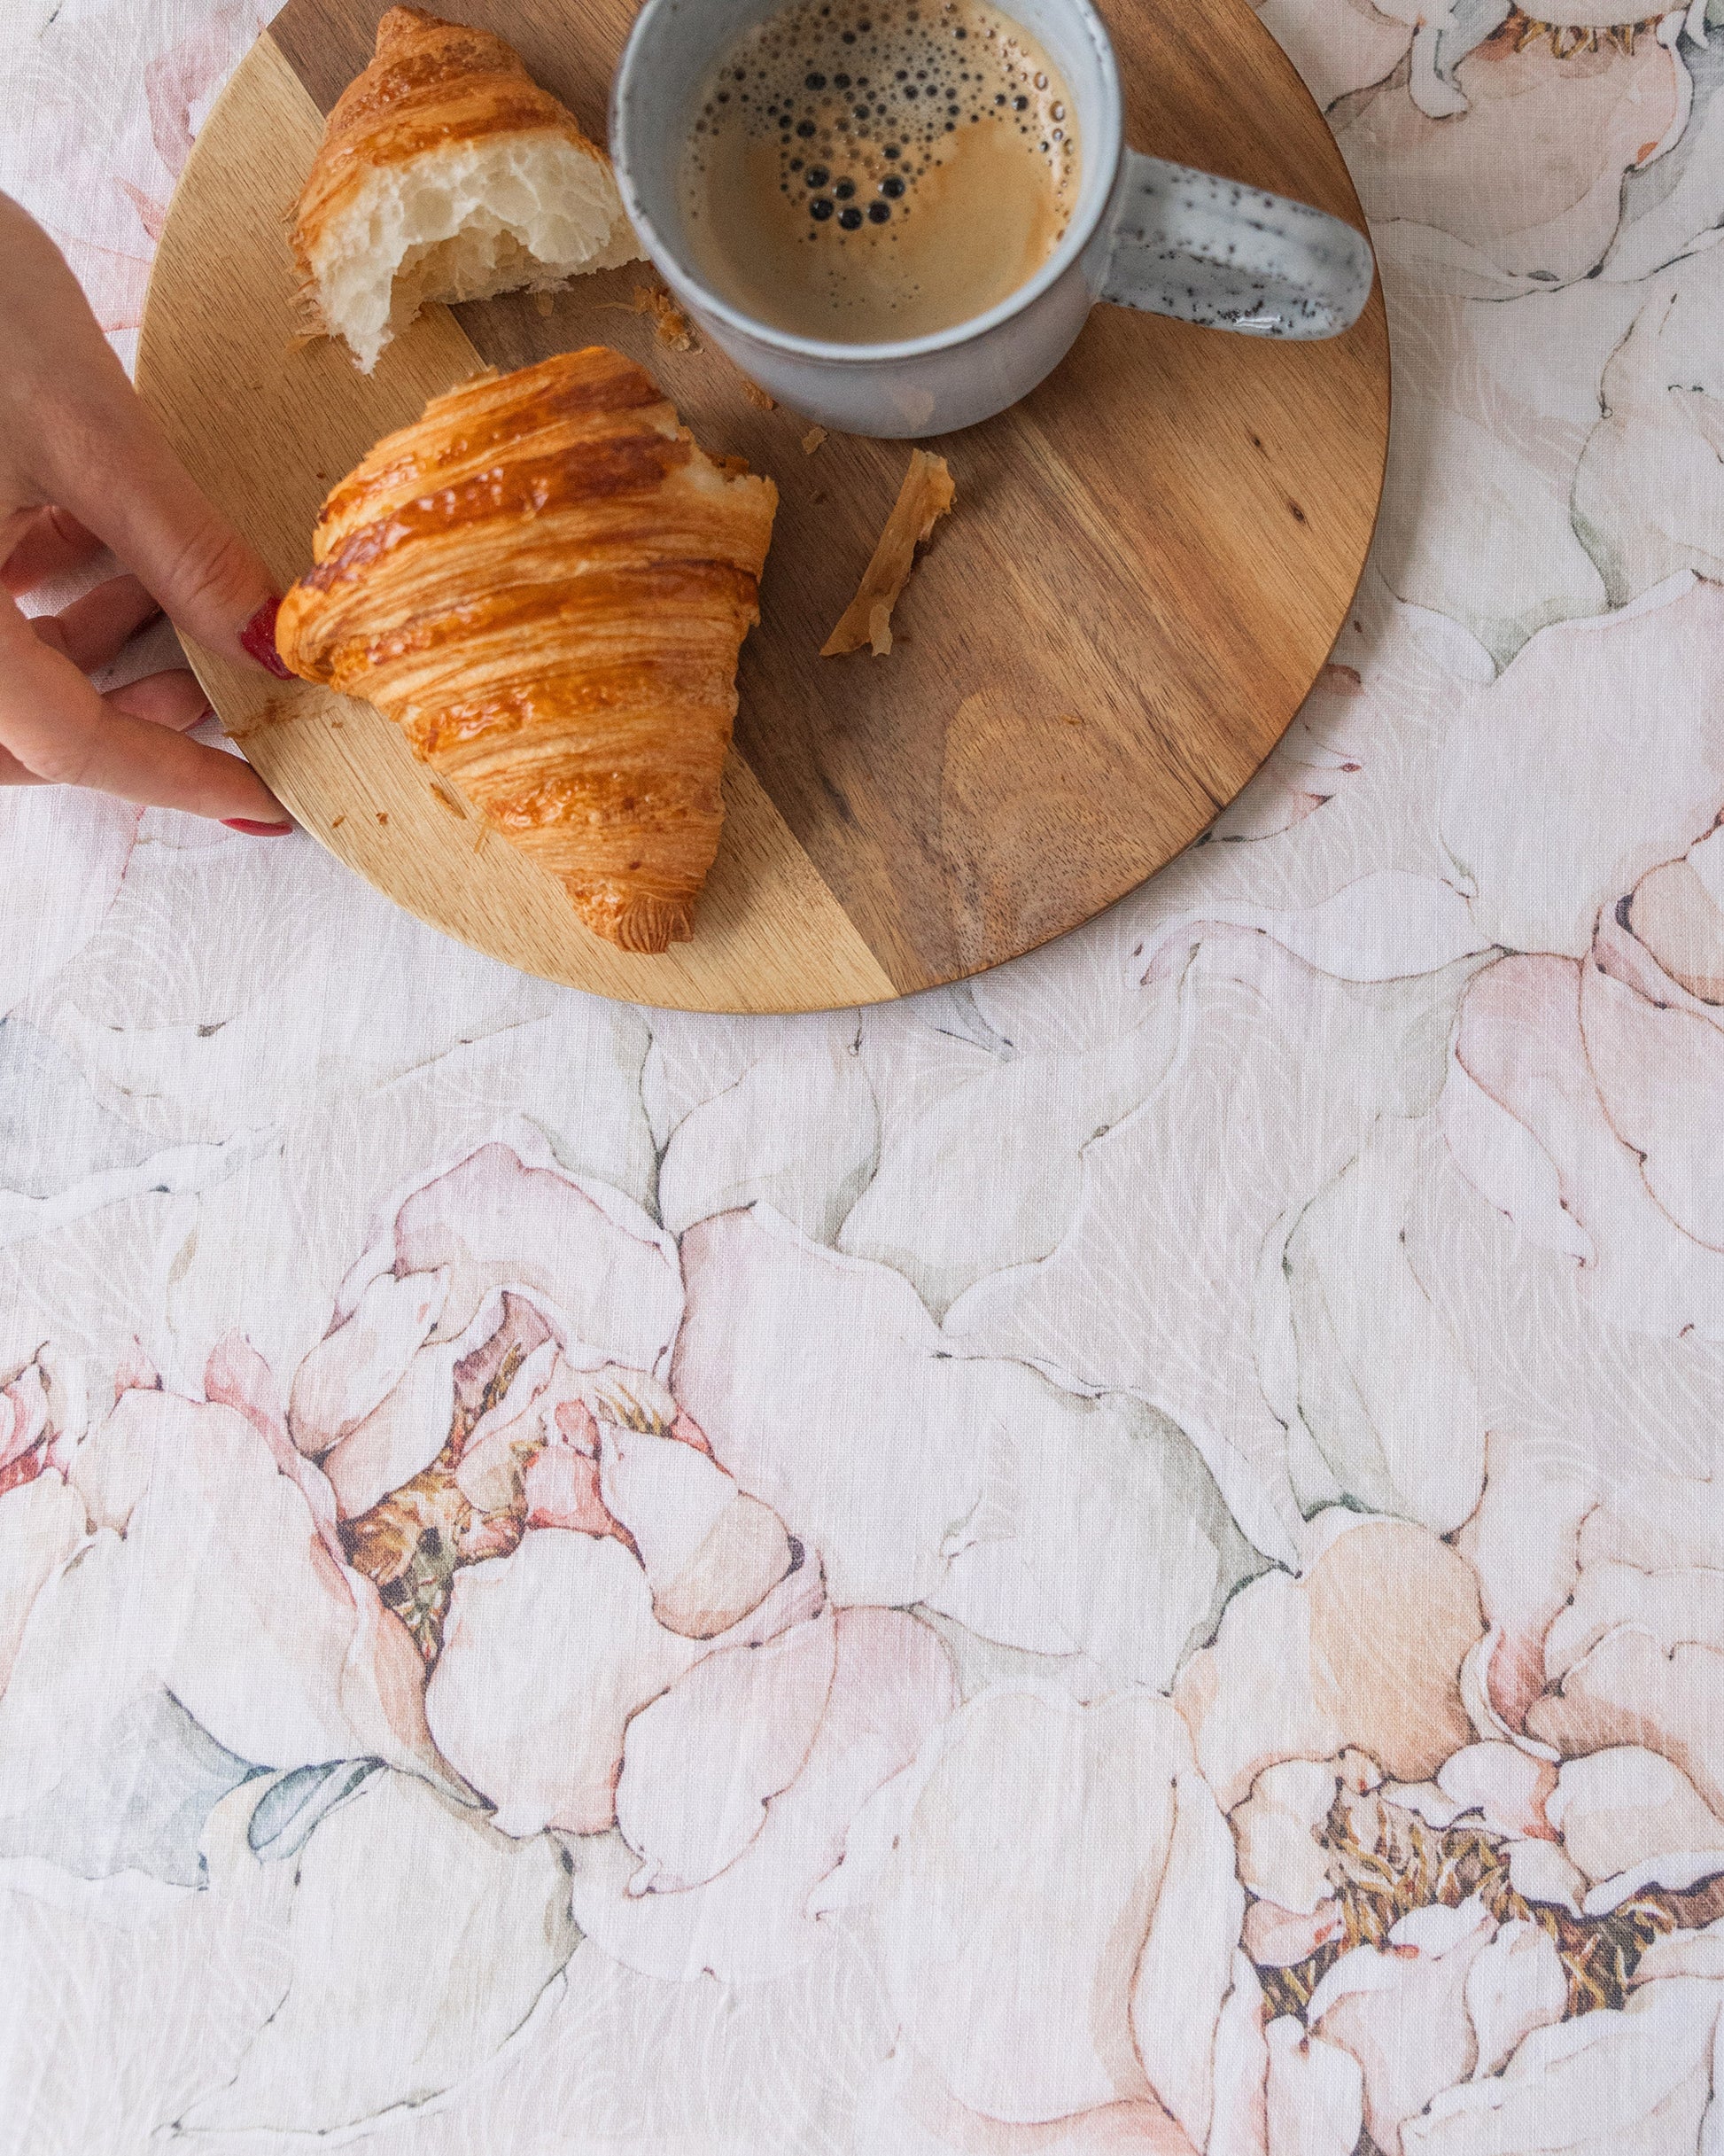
x: 259, y: 638
x: 256, y: 830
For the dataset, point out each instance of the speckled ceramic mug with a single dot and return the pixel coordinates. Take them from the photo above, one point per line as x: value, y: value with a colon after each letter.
x: 1144, y: 234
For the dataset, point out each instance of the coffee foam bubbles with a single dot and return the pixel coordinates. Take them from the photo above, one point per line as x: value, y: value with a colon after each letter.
x: 856, y: 116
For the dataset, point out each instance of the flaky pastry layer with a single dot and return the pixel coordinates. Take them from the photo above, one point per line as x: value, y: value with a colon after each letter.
x: 430, y: 85
x: 546, y: 583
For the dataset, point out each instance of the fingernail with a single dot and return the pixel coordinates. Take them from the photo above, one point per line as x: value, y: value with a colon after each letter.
x: 259, y: 638
x: 256, y: 830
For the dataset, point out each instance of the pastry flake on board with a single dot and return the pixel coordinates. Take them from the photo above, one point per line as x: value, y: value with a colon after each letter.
x: 926, y: 494
x: 671, y: 326
x: 446, y: 173
x: 545, y: 582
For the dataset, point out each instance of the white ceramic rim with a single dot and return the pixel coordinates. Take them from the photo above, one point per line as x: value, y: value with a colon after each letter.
x: 823, y: 352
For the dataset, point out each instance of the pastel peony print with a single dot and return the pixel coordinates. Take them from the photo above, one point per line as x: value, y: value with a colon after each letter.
x: 1339, y: 46
x: 1605, y: 1644
x: 1612, y: 102
x: 1646, y: 488
x: 928, y: 1472
x: 1581, y: 1095
x: 42, y: 1519
x: 204, y: 1613
x: 478, y: 1588
x: 1082, y: 1961
x: 1441, y: 1895
x: 473, y: 1553
x: 618, y: 1639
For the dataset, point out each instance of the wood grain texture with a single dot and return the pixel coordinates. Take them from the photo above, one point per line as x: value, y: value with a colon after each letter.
x: 1149, y: 560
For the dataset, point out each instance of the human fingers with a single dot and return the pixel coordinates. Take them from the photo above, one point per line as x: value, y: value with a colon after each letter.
x: 174, y: 699
x: 205, y: 578
x: 13, y: 773
x: 74, y: 432
x: 51, y: 543
x: 92, y: 631
x: 53, y: 723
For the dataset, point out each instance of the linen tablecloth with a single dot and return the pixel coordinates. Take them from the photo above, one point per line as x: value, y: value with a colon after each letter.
x: 1127, y: 1557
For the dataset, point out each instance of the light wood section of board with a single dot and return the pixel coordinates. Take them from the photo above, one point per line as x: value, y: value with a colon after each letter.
x: 1149, y: 559
x: 266, y: 424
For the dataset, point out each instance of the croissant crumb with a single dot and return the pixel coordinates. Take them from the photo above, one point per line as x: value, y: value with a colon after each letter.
x: 545, y: 582
x: 670, y: 324
x: 927, y: 496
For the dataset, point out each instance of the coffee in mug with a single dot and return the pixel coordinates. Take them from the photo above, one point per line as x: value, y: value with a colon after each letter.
x: 885, y: 270
x: 863, y: 171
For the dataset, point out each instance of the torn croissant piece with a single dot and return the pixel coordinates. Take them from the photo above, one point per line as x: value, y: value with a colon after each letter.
x: 446, y: 173
x: 546, y: 583
x: 928, y: 492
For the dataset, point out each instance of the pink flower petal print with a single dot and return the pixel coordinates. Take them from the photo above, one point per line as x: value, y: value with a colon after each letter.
x: 1593, y: 759
x: 41, y: 1522
x: 1489, y: 178
x: 601, y: 1271
x: 356, y: 1366
x: 892, y: 1688
x: 906, y: 2110
x: 1518, y: 1984
x: 135, y: 1372
x: 1316, y: 2093
x: 236, y: 1376
x: 1564, y: 1075
x: 1627, y: 1817
x: 1276, y: 1939
x: 710, y: 1551
x: 1523, y: 1542
x: 1339, y: 46
x: 546, y: 1655
x: 1364, y: 1651
x: 23, y: 1418
x: 703, y: 1761
x: 1045, y: 1835
x: 177, y: 80
x: 1402, y: 2012
x: 236, y: 1604
x: 152, y: 215
x: 1656, y: 1055
x: 1605, y: 2083
x: 561, y: 1485
x: 1507, y: 1788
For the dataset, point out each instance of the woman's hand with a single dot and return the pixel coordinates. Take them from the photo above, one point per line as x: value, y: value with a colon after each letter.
x: 82, y: 466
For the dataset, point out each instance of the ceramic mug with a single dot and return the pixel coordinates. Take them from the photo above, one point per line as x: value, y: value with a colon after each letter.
x: 1144, y: 234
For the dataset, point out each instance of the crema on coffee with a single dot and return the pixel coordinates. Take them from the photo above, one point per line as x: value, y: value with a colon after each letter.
x: 865, y: 170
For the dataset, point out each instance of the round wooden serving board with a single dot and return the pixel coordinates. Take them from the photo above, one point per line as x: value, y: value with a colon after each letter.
x: 1148, y: 562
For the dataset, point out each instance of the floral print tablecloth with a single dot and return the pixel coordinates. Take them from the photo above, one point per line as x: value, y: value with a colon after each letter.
x: 1129, y: 1557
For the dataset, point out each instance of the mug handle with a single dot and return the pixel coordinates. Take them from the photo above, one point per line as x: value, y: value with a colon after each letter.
x: 1207, y: 250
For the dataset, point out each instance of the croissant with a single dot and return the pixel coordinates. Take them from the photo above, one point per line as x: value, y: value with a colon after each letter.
x: 446, y: 173
x: 546, y: 584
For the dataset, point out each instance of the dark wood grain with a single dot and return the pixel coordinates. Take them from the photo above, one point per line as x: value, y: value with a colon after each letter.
x: 1149, y: 559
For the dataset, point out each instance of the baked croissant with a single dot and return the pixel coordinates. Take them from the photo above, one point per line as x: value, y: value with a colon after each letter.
x: 446, y: 173
x: 546, y: 583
